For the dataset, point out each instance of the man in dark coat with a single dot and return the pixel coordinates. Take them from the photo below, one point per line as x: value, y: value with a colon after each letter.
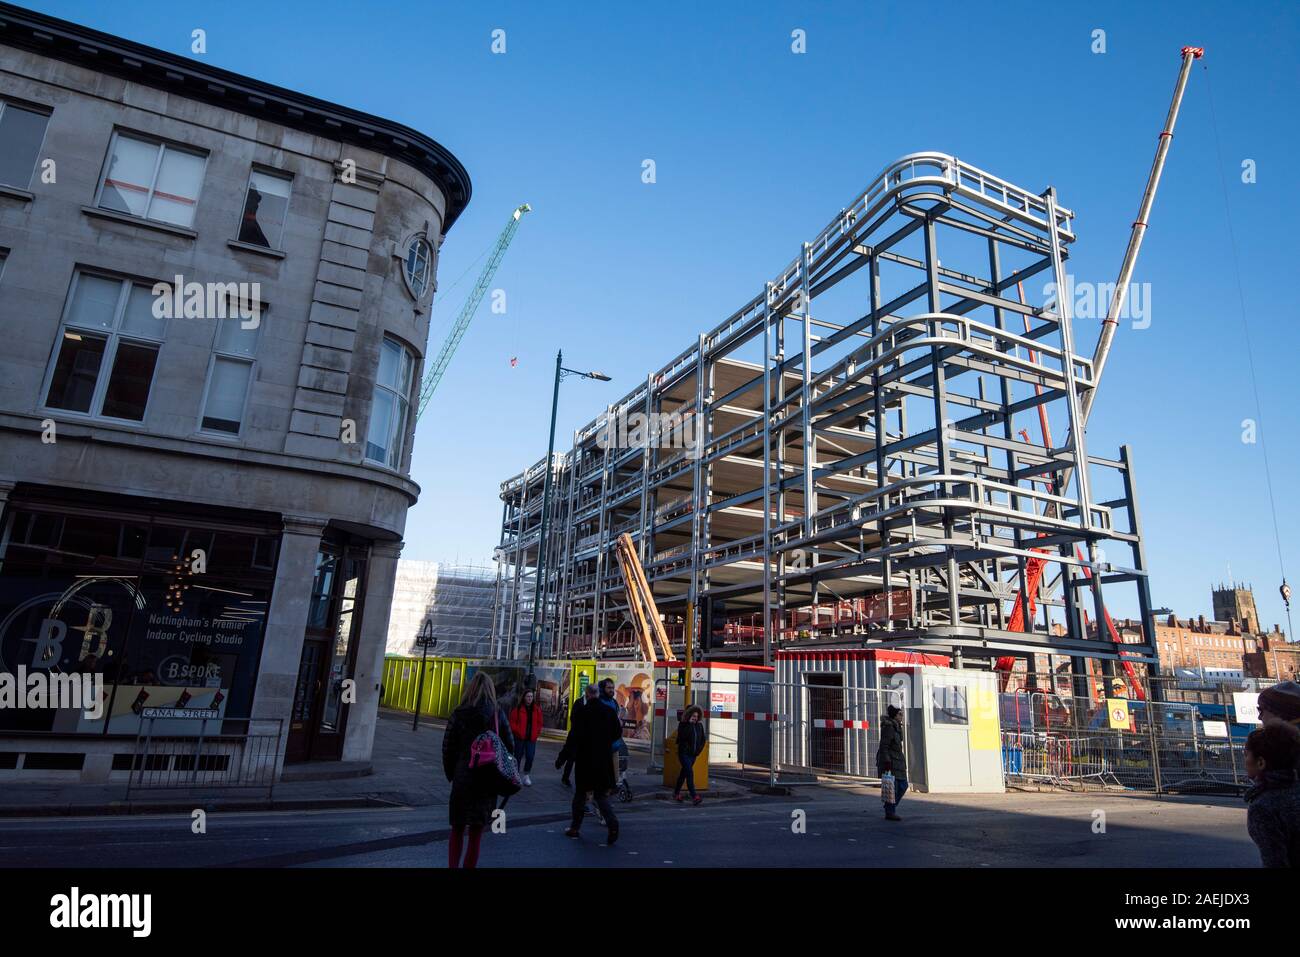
x: 593, y: 730
x: 891, y: 757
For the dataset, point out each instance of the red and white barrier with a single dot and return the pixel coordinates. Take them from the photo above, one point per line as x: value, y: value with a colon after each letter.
x: 726, y: 715
x: 767, y: 716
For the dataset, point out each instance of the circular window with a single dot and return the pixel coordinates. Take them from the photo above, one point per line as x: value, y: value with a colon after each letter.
x: 418, y: 266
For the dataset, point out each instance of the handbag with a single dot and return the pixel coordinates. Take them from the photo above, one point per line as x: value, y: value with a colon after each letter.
x: 887, y: 788
x: 493, y: 765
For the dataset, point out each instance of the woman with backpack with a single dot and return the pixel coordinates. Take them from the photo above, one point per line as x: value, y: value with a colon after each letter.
x: 526, y: 726
x: 472, y: 797
x: 690, y: 743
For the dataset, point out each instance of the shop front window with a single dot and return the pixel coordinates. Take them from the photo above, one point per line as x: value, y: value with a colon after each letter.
x: 97, y: 593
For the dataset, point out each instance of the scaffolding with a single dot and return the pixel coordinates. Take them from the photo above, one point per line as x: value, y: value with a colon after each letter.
x: 453, y: 602
x: 842, y: 462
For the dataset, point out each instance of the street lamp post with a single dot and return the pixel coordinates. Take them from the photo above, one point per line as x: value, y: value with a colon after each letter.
x: 425, y: 640
x: 539, y: 603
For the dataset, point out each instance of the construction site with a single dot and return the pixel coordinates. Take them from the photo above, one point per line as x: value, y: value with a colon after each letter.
x: 869, y: 486
x: 884, y: 448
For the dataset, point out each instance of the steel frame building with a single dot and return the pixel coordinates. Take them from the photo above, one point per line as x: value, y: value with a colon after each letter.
x: 848, y: 459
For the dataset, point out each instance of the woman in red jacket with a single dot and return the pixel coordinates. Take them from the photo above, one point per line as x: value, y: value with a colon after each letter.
x: 526, y: 724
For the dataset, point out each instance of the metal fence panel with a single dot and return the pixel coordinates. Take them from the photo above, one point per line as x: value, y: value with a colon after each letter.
x: 203, y: 761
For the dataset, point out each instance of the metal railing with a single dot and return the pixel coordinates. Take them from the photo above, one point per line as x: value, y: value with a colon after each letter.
x: 208, y: 759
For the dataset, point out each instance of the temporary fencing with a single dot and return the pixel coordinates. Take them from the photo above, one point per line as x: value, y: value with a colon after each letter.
x: 810, y: 729
x: 1171, y: 738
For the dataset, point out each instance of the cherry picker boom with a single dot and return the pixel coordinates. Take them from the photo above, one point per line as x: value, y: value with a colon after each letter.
x: 641, y: 603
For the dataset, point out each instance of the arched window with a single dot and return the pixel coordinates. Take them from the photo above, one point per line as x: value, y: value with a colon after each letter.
x: 418, y: 266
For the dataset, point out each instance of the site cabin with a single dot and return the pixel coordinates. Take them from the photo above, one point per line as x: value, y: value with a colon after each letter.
x: 830, y: 704
x: 721, y: 689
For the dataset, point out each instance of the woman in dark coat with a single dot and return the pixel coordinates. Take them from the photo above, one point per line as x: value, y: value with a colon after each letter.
x: 891, y: 757
x: 471, y: 805
x: 690, y: 743
x: 593, y: 729
x: 1273, y: 800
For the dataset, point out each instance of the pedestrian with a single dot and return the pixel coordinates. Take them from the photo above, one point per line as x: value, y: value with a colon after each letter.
x: 566, y: 775
x: 690, y: 743
x: 608, y: 698
x: 1273, y: 800
x: 891, y: 757
x: 472, y: 803
x: 526, y: 726
x: 1280, y: 703
x: 593, y: 730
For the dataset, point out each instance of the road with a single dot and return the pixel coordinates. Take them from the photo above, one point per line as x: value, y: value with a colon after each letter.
x: 841, y: 827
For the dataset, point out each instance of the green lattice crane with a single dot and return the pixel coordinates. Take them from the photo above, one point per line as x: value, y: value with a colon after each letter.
x: 467, y: 311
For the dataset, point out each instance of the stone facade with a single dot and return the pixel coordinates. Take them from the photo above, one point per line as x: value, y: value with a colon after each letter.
x: 333, y: 290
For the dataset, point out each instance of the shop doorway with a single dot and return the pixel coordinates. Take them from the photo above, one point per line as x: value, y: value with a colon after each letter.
x: 324, y: 688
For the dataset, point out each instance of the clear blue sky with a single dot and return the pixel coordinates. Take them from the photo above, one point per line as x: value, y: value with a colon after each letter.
x: 757, y: 148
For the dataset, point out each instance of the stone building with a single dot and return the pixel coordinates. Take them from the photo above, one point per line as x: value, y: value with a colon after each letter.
x: 215, y: 300
x: 1274, y: 657
x: 1201, y: 644
x: 1236, y: 603
x: 1233, y: 640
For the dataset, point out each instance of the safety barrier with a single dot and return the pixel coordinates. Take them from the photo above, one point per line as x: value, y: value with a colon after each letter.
x: 1138, y: 761
x: 815, y: 730
x: 245, y: 760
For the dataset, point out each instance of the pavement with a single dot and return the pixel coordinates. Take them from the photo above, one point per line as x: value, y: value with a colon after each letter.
x: 405, y: 770
x: 397, y: 817
x: 823, y: 826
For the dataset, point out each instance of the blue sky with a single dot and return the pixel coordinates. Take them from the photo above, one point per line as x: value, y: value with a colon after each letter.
x: 757, y: 148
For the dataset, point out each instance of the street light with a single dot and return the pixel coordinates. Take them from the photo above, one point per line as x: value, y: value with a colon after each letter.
x: 539, y: 608
x: 425, y: 640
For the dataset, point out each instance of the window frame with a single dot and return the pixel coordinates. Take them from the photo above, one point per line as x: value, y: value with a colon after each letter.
x: 405, y: 406
x: 216, y: 354
x: 45, y: 111
x: 276, y: 174
x: 163, y: 146
x: 404, y: 258
x: 113, y: 338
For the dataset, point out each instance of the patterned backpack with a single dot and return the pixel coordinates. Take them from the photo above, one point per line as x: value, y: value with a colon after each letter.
x: 493, y: 766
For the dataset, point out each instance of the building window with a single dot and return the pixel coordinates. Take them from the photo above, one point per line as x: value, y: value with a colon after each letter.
x: 22, y: 131
x: 418, y: 266
x: 265, y: 206
x: 108, y: 347
x: 152, y: 180
x: 388, y: 411
x: 948, y: 705
x: 229, y: 376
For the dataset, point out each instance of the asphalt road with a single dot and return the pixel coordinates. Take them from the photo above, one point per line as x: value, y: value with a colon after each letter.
x: 841, y: 827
